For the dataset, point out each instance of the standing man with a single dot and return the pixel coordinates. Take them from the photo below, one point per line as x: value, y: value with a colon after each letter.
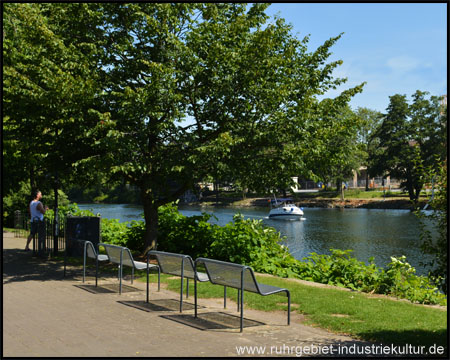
x: 37, y: 212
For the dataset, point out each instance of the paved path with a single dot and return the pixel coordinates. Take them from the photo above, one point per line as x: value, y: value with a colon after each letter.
x: 45, y: 314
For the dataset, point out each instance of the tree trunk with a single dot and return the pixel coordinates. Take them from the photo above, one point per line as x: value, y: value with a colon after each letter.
x: 151, y: 224
x: 417, y: 196
x: 216, y: 189
x: 367, y: 181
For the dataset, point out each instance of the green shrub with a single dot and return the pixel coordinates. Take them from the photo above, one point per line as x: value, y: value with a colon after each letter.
x: 114, y: 232
x: 191, y: 235
x: 341, y: 269
x: 251, y: 242
x: 135, y: 235
x: 400, y: 280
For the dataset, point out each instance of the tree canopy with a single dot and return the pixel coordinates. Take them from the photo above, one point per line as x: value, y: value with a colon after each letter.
x: 49, y: 91
x: 164, y: 94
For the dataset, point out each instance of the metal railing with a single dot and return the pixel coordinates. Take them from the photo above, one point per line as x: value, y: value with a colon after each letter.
x: 44, y: 241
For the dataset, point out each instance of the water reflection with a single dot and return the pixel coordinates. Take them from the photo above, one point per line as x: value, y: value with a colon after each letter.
x: 369, y: 232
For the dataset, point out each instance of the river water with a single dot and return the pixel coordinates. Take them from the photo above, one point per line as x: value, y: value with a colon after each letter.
x: 369, y: 232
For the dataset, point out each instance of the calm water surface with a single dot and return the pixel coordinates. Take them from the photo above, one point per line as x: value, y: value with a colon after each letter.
x: 369, y: 232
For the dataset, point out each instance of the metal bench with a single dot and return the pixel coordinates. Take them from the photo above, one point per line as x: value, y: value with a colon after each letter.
x: 178, y: 265
x: 240, y: 277
x: 122, y: 256
x: 90, y: 252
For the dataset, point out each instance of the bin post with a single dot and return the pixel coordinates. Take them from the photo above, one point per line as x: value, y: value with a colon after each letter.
x: 41, y: 238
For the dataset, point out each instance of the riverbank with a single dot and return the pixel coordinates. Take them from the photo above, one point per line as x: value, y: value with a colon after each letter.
x: 374, y: 203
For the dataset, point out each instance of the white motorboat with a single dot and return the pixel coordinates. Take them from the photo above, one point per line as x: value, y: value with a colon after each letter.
x: 285, y: 209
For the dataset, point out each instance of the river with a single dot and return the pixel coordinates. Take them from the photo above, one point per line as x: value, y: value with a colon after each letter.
x: 369, y: 232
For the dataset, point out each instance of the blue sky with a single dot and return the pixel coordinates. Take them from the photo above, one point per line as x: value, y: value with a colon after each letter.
x: 396, y: 48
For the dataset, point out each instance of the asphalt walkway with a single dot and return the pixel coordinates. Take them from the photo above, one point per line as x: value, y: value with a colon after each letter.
x: 46, y: 314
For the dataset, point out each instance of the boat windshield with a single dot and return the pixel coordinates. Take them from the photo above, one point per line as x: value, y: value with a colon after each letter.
x: 280, y: 201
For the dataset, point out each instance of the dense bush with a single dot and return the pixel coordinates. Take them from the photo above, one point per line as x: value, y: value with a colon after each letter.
x: 191, y: 235
x: 341, y: 269
x: 397, y: 279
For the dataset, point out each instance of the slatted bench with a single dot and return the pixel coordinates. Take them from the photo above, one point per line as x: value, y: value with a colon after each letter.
x: 240, y: 277
x: 178, y: 265
x: 122, y: 256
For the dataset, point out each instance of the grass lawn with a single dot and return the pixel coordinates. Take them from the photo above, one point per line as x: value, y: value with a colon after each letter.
x: 376, y: 319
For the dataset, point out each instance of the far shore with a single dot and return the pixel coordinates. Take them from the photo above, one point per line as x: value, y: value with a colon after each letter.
x: 389, y: 203
x: 376, y: 203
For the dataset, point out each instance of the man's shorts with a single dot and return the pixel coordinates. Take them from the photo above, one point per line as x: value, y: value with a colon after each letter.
x: 34, y: 227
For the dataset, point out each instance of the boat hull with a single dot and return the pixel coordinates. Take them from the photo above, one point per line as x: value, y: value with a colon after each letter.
x: 286, y: 213
x: 285, y: 217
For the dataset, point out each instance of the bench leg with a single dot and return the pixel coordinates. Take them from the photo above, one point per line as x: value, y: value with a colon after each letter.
x: 84, y: 263
x: 181, y: 295
x: 242, y: 299
x: 181, y: 290
x: 148, y: 271
x: 96, y: 271
x: 195, y: 295
x: 159, y: 278
x: 238, y: 298
x: 242, y: 309
x: 187, y: 288
x: 120, y: 279
x: 289, y: 306
x: 224, y: 297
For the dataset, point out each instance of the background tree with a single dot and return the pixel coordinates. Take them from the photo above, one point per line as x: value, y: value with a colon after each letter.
x: 409, y: 137
x: 429, y: 126
x: 336, y: 153
x: 370, y: 120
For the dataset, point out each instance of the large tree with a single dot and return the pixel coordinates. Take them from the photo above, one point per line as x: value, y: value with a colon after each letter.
x: 191, y: 84
x: 182, y: 91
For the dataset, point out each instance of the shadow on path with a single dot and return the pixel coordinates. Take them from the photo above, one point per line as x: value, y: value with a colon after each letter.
x: 19, y: 265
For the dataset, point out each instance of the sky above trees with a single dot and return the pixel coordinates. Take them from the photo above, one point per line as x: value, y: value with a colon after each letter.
x: 396, y: 48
